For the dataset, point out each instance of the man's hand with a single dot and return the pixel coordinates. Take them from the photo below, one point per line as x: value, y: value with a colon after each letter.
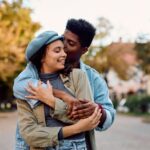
x: 77, y: 109
x: 83, y: 109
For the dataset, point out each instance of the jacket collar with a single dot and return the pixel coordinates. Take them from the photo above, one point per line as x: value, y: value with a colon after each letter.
x: 65, y: 80
x: 82, y: 66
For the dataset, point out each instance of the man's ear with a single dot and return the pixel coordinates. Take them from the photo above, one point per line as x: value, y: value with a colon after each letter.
x: 84, y: 50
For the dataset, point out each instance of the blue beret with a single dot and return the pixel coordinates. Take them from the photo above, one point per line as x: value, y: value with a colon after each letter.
x: 38, y: 42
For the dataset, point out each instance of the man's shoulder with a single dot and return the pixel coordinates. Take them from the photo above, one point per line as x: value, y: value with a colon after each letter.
x: 94, y: 75
x: 91, y: 70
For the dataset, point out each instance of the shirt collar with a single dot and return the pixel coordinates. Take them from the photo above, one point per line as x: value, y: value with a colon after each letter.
x: 82, y: 66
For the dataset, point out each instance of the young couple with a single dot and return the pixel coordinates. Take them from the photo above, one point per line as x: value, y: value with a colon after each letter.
x: 60, y: 100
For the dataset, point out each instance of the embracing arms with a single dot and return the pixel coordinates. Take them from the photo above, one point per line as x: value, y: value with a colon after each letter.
x: 32, y: 126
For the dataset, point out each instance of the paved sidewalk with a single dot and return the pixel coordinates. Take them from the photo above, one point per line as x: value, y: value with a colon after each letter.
x: 127, y: 133
x: 7, y: 130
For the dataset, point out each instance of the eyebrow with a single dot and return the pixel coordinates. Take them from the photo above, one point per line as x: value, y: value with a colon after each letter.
x: 59, y: 47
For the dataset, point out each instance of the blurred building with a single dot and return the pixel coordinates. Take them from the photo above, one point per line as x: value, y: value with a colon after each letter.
x: 137, y: 82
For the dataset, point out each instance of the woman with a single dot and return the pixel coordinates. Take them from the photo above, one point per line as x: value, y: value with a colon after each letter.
x: 42, y: 126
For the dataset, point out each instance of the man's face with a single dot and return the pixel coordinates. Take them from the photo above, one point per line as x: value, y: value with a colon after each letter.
x: 72, y: 46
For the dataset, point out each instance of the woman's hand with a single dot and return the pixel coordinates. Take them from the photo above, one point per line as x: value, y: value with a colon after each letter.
x: 89, y: 123
x: 83, y: 125
x: 45, y: 95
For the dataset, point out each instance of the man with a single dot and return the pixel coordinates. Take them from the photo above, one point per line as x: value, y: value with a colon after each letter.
x: 78, y: 36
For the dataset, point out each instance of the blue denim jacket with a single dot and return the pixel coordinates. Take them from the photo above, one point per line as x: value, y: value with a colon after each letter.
x: 98, y: 86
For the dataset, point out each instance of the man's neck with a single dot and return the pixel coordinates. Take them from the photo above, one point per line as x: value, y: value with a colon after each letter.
x: 76, y: 64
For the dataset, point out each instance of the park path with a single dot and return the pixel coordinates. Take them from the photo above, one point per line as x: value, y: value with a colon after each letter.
x: 7, y: 130
x: 127, y: 133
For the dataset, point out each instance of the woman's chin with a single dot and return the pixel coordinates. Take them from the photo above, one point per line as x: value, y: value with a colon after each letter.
x: 61, y: 67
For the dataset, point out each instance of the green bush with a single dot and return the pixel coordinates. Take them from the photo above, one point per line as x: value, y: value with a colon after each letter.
x: 139, y: 103
x: 115, y: 103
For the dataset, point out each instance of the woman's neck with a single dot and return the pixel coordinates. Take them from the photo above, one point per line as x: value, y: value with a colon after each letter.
x: 46, y: 70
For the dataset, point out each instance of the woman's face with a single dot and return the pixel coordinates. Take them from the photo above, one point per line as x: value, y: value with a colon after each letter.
x: 54, y: 58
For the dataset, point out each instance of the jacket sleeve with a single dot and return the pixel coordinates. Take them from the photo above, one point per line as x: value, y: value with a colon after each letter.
x: 101, y: 96
x: 34, y: 131
x: 29, y: 74
x: 60, y: 112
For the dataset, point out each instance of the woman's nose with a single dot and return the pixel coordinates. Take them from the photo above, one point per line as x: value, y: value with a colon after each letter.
x: 65, y: 49
x: 64, y: 53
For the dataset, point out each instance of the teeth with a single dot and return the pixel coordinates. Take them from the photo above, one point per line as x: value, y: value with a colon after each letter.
x: 63, y: 61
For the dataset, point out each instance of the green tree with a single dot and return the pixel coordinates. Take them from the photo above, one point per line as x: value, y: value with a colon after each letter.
x: 16, y: 30
x: 143, y: 53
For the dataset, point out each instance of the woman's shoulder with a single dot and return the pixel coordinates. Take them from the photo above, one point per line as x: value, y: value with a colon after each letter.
x: 77, y: 74
x: 74, y: 76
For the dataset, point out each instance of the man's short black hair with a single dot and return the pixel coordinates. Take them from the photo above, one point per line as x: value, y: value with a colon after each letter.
x: 84, y: 30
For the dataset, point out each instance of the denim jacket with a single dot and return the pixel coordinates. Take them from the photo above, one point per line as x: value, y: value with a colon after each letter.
x: 98, y: 87
x: 100, y: 94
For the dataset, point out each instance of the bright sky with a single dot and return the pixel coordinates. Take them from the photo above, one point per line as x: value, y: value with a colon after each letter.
x: 129, y: 17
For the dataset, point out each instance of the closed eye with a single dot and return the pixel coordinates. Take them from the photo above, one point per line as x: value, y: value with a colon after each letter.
x: 58, y: 49
x: 71, y: 43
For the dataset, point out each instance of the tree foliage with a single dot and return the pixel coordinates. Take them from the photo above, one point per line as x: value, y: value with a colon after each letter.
x: 16, y: 30
x: 117, y: 56
x: 143, y: 52
x: 121, y: 57
x: 104, y: 28
x: 96, y: 53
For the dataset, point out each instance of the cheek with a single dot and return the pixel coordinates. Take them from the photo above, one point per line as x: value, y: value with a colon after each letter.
x: 50, y: 60
x: 72, y: 49
x: 51, y: 57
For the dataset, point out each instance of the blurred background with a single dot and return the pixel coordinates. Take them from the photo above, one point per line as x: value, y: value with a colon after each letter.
x: 120, y: 52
